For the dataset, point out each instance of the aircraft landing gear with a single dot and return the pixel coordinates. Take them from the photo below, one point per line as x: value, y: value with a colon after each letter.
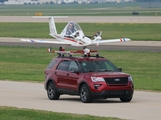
x: 61, y: 49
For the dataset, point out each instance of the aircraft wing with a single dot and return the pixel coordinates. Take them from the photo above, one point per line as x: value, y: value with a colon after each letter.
x: 111, y: 40
x: 44, y: 41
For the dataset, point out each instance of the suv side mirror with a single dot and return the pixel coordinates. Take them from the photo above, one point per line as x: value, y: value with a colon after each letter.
x: 119, y: 69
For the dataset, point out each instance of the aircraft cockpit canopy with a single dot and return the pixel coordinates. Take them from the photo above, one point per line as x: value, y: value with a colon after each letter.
x: 71, y: 28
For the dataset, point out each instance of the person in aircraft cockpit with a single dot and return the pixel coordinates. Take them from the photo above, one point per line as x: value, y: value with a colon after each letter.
x: 70, y: 29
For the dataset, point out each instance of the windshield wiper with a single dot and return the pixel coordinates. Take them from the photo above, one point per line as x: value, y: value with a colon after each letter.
x: 108, y: 70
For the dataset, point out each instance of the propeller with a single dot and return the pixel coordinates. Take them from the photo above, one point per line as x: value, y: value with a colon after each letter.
x: 97, y: 37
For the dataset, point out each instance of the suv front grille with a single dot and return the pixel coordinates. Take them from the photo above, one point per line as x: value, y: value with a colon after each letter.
x: 117, y: 81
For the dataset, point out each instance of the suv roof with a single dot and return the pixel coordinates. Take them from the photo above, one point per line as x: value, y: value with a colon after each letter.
x: 86, y: 53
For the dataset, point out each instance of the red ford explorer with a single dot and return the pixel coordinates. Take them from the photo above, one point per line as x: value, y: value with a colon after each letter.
x: 89, y: 77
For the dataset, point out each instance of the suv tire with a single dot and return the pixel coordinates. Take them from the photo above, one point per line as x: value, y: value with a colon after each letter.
x: 51, y: 91
x: 85, y: 94
x: 127, y: 99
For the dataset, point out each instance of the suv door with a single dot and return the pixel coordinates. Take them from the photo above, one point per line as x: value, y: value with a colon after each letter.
x: 66, y: 77
x: 73, y: 75
x: 61, y: 74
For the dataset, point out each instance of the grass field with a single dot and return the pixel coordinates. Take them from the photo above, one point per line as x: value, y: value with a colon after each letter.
x: 109, y: 9
x: 29, y: 63
x: 11, y: 113
x: 133, y: 31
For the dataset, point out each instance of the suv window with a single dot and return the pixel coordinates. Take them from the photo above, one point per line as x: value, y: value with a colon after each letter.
x: 97, y: 66
x: 63, y: 65
x: 110, y: 66
x: 73, y: 66
x: 52, y: 63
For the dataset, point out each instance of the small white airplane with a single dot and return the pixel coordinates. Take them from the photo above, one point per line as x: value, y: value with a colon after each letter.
x: 73, y: 35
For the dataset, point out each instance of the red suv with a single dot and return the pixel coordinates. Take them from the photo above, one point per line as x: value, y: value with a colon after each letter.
x: 89, y: 77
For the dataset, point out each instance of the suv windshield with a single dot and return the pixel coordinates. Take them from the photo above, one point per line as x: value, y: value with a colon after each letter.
x: 97, y: 66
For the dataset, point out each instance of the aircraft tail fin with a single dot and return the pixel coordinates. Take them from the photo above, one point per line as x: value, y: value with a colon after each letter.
x: 52, y: 26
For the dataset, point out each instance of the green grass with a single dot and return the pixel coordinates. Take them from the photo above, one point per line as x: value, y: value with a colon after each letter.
x: 11, y: 113
x: 144, y: 67
x: 29, y: 63
x: 133, y: 31
x: 108, y: 9
x: 23, y: 63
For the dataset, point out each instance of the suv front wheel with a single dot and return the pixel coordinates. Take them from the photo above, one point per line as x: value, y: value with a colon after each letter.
x: 51, y: 91
x: 126, y: 99
x: 85, y: 94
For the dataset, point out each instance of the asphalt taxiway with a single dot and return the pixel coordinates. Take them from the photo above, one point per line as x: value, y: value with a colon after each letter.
x: 87, y: 19
x: 149, y: 46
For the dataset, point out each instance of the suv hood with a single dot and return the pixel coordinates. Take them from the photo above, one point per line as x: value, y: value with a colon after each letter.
x: 109, y: 74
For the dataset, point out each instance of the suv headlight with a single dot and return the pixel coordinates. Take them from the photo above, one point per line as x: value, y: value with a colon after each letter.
x: 97, y: 79
x: 129, y: 78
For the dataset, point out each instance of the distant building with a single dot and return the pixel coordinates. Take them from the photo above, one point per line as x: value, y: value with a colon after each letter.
x: 68, y: 1
x: 20, y: 2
